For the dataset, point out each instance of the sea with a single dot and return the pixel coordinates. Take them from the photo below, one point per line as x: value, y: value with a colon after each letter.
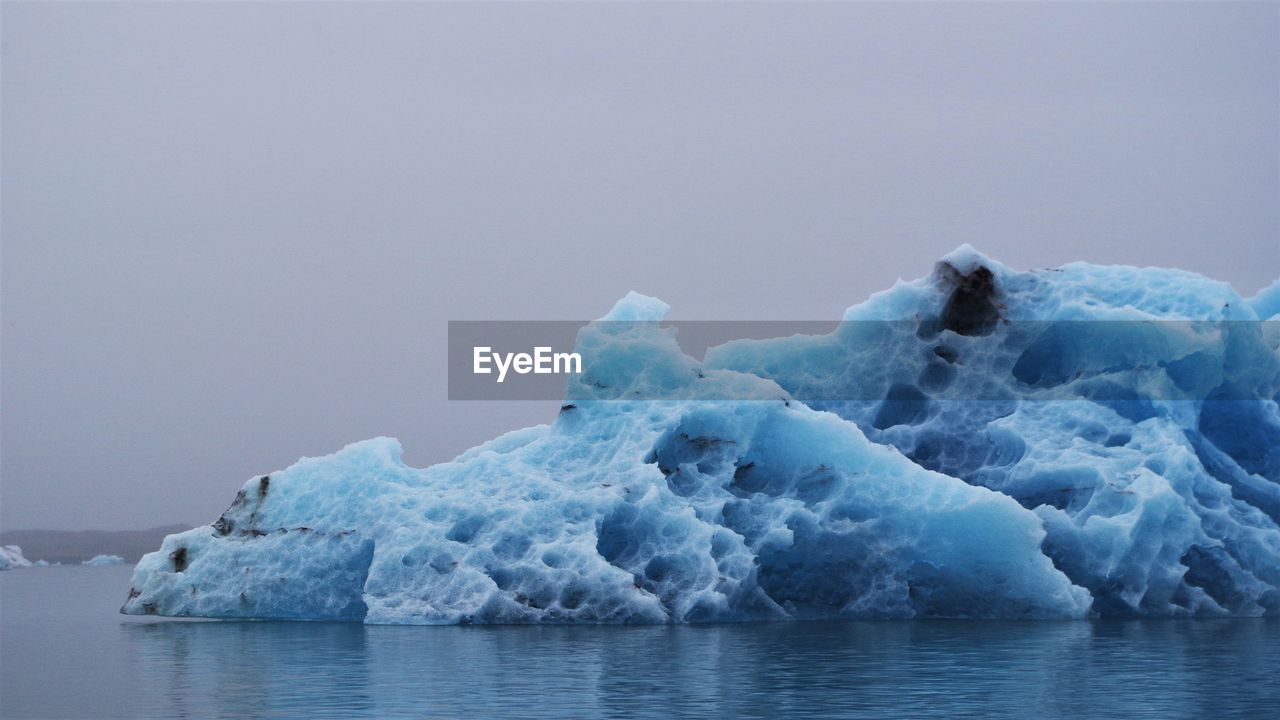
x: 65, y: 652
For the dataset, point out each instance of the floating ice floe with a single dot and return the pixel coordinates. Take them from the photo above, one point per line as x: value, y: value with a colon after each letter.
x: 11, y: 558
x: 100, y: 560
x: 1083, y: 441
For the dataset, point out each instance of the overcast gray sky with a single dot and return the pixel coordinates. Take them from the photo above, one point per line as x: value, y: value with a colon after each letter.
x: 233, y: 233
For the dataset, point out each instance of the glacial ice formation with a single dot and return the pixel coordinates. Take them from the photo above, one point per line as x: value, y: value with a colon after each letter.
x: 1084, y: 441
x: 11, y: 558
x: 101, y: 560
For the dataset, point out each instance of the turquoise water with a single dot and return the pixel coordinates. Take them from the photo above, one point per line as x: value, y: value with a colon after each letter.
x: 65, y: 653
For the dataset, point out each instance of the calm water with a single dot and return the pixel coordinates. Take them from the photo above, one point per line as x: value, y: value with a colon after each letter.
x: 64, y: 652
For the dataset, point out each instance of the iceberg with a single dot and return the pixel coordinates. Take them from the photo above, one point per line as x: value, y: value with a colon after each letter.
x: 1078, y: 442
x: 11, y: 558
x: 100, y: 560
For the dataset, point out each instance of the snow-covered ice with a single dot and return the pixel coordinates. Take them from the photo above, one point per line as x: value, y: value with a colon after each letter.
x: 11, y: 558
x: 1061, y: 443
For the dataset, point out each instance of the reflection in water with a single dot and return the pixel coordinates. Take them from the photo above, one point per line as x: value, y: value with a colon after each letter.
x: 246, y: 669
x: 1159, y: 669
x: 64, y: 652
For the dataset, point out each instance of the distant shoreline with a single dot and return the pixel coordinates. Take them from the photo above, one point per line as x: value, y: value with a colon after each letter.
x: 76, y: 546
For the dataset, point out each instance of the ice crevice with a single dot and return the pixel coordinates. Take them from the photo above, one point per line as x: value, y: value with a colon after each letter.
x: 1067, y: 443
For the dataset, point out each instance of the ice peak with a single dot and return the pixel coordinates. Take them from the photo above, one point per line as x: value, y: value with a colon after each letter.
x: 638, y: 308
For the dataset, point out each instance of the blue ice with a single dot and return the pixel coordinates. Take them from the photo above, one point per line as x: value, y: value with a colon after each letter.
x: 1019, y: 459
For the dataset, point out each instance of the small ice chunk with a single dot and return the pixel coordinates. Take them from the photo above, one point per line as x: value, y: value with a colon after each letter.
x: 99, y: 560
